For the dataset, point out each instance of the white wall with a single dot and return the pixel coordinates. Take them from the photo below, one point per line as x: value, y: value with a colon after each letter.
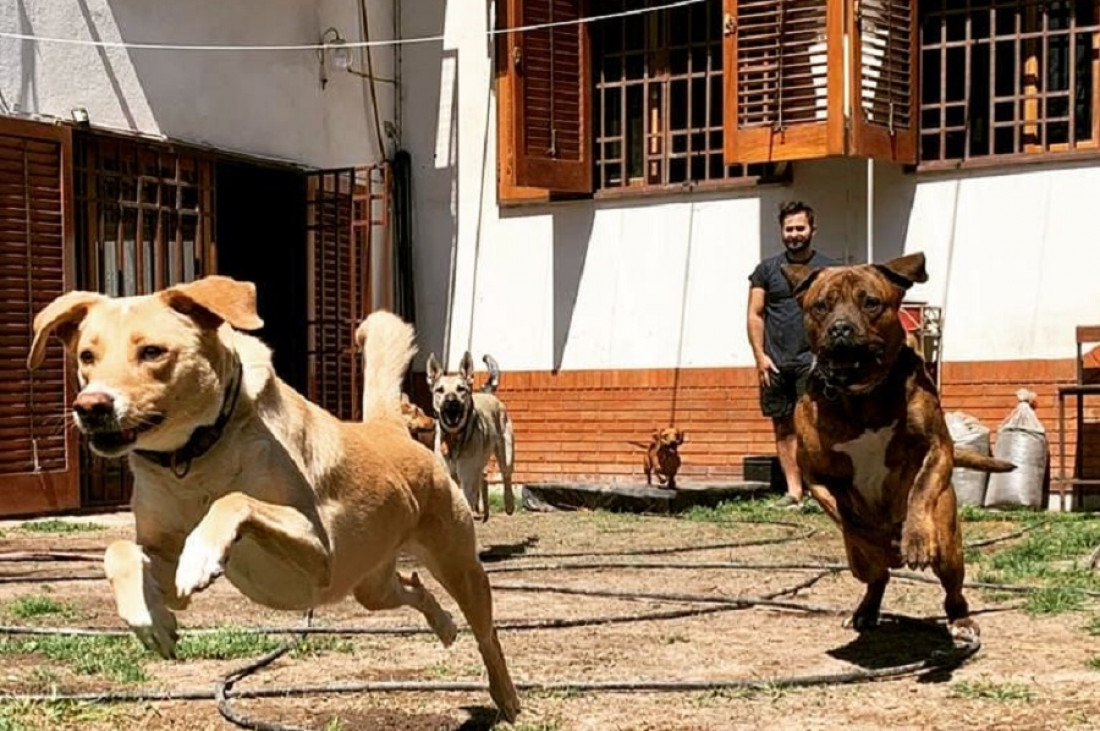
x: 663, y: 282
x: 267, y: 103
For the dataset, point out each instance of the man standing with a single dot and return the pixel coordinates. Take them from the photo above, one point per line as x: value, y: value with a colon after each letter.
x: 778, y: 339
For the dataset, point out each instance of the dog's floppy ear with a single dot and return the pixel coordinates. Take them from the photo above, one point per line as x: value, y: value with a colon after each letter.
x: 61, y: 317
x: 434, y: 369
x: 905, y: 271
x: 215, y: 299
x: 681, y: 435
x: 466, y: 367
x: 361, y: 335
x: 800, y: 277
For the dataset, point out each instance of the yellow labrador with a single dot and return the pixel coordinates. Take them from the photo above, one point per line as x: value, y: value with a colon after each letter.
x: 235, y: 472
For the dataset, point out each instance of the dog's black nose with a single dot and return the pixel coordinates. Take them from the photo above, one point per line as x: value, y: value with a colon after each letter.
x: 95, y: 406
x: 841, y: 330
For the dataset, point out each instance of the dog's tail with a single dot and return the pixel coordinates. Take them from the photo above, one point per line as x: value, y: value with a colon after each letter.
x: 493, y: 383
x: 975, y: 461
x: 388, y: 345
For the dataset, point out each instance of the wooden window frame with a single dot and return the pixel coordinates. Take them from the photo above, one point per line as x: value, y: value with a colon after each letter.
x: 1029, y: 96
x: 524, y: 181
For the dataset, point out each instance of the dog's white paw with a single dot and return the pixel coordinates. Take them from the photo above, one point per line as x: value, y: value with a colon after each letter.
x: 199, y: 564
x: 156, y: 629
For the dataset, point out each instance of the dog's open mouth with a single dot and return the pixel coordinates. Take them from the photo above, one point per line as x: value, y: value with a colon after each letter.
x: 110, y: 441
x: 848, y: 365
x: 452, y: 414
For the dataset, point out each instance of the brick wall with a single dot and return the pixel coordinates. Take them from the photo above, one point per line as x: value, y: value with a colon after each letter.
x: 578, y: 425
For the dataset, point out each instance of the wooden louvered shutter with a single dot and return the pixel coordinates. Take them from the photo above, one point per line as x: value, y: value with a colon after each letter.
x: 884, y: 124
x: 507, y: 189
x: 37, y: 443
x: 550, y: 88
x: 784, y: 91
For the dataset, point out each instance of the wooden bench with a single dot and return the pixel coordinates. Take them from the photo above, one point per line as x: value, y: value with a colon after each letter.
x: 1076, y: 484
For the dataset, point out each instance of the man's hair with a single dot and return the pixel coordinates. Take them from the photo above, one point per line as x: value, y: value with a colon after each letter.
x: 790, y: 208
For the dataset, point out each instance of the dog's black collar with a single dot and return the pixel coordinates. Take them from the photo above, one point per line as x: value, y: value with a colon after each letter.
x: 203, y: 438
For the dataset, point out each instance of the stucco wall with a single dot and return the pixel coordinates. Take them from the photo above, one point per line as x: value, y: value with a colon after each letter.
x: 267, y: 103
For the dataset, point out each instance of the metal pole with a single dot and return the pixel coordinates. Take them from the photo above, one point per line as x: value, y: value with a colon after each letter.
x: 870, y: 210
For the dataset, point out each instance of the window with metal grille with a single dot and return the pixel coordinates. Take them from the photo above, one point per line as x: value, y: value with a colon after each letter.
x: 658, y: 100
x: 144, y: 222
x: 144, y: 215
x: 1008, y: 77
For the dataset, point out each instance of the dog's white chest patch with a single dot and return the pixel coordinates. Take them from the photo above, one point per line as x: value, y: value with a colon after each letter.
x: 868, y: 455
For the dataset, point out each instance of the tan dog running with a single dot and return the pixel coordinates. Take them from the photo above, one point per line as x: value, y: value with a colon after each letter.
x: 471, y: 427
x: 235, y: 472
x: 663, y: 456
x: 873, y: 445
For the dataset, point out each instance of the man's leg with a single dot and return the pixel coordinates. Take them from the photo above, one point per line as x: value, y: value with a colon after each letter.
x: 786, y: 446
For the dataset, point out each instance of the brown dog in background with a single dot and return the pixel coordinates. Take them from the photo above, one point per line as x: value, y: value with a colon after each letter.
x: 662, y: 456
x: 873, y: 445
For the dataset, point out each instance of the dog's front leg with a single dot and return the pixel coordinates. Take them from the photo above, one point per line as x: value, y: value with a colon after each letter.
x: 286, y: 530
x: 919, y: 545
x: 142, y: 582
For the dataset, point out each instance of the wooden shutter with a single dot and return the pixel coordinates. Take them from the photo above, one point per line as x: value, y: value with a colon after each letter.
x: 508, y: 192
x: 548, y: 97
x: 338, y: 224
x: 37, y: 442
x: 784, y: 80
x: 884, y: 124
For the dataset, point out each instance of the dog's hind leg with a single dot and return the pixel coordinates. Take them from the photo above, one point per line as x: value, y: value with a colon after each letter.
x: 950, y: 568
x: 450, y: 553
x: 506, y: 461
x: 868, y: 564
x: 387, y: 589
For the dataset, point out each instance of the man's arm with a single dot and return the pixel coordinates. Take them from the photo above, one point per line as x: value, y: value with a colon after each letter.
x: 764, y: 365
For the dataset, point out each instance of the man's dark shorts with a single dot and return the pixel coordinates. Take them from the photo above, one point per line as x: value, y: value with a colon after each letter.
x: 778, y: 398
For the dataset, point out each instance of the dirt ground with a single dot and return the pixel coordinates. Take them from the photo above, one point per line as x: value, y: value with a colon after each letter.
x: 1032, y: 672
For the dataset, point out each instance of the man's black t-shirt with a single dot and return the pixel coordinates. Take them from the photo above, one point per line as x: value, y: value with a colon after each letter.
x: 784, y: 336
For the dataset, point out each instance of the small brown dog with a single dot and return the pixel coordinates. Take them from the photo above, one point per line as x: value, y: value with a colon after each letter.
x: 663, y: 456
x: 421, y: 426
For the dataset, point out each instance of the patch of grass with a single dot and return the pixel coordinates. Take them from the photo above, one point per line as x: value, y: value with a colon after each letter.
x: 40, y: 606
x: 988, y: 690
x: 1094, y: 662
x: 742, y: 511
x: 26, y: 716
x: 317, y: 645
x: 117, y: 658
x: 673, y: 639
x: 334, y: 724
x: 224, y: 644
x: 1049, y: 556
x: 1093, y: 626
x: 59, y: 526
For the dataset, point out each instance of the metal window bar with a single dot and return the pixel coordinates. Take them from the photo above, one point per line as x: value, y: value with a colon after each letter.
x: 1039, y: 95
x: 143, y: 223
x: 658, y: 98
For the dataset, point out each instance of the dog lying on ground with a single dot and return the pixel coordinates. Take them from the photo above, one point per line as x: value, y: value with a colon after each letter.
x: 663, y: 456
x: 471, y: 427
x: 873, y: 445
x: 236, y: 473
